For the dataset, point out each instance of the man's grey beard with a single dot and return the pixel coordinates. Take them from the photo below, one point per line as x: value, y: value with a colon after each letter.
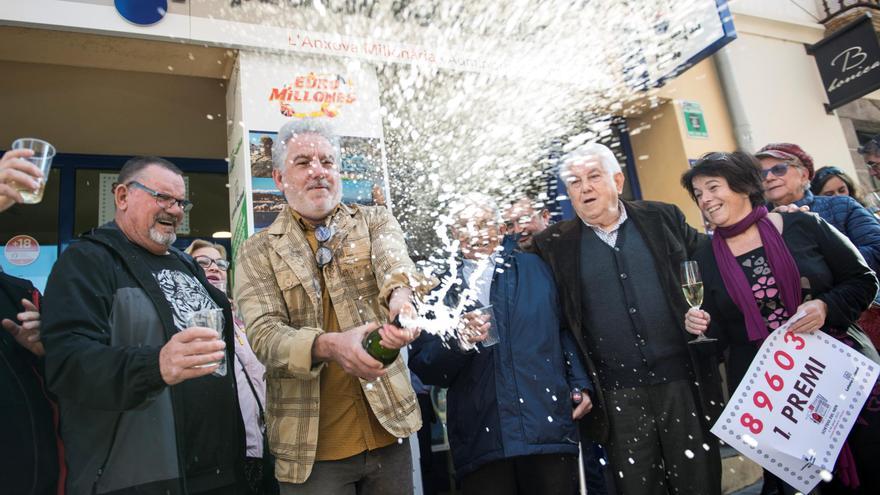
x: 165, y: 239
x: 526, y: 244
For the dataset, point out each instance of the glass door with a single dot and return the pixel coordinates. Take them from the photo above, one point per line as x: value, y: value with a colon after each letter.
x: 29, y: 235
x: 207, y: 190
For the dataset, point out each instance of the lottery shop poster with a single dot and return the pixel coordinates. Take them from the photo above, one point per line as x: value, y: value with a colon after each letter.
x: 796, y: 405
x: 361, y: 173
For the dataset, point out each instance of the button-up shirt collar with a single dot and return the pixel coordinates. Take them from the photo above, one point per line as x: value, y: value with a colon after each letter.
x: 610, y: 236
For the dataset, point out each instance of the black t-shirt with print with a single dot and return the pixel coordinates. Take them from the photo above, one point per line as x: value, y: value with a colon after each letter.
x: 200, y: 418
x: 183, y: 291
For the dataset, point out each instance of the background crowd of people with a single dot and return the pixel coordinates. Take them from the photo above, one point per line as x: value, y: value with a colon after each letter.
x: 574, y: 337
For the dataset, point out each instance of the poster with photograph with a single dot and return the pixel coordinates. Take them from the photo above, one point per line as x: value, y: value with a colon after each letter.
x: 261, y: 153
x: 360, y: 167
x: 267, y: 200
x: 343, y: 93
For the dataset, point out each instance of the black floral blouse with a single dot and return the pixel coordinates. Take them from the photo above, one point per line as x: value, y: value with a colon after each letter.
x: 763, y: 284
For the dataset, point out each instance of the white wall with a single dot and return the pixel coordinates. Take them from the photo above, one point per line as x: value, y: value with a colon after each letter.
x: 783, y: 10
x: 110, y: 112
x: 773, y: 87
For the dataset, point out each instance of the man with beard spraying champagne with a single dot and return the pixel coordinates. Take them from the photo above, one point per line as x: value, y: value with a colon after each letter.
x: 311, y: 288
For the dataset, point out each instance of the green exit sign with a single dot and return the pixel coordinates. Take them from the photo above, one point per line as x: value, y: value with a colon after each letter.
x: 694, y: 119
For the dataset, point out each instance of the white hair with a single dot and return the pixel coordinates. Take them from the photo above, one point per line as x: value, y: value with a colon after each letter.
x: 302, y: 126
x: 586, y: 152
x: 470, y: 204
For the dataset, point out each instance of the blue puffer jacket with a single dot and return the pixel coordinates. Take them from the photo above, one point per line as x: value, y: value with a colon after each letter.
x: 852, y: 219
x: 514, y: 398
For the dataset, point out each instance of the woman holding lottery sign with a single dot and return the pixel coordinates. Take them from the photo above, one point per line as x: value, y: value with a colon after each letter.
x: 761, y: 268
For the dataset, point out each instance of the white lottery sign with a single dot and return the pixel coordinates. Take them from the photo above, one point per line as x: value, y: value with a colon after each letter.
x: 796, y: 405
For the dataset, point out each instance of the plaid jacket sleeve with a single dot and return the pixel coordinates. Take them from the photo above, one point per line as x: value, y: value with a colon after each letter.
x: 278, y: 345
x: 391, y: 262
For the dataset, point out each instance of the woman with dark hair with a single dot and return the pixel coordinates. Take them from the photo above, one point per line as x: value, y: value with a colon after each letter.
x: 761, y: 268
x: 249, y: 377
x: 831, y: 181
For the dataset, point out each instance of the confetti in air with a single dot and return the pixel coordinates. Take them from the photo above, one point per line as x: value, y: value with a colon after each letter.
x: 486, y: 96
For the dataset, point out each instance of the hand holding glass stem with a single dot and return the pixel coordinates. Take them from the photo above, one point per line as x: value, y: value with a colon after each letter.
x: 696, y: 321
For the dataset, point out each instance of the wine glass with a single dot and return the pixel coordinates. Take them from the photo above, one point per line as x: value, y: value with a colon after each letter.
x: 692, y: 287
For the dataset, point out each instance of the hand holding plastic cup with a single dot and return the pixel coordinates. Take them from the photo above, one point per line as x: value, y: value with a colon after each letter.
x: 43, y: 155
x: 486, y: 315
x: 213, y: 319
x: 493, y: 337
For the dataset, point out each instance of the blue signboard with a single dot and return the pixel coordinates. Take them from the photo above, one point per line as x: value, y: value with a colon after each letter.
x: 142, y: 12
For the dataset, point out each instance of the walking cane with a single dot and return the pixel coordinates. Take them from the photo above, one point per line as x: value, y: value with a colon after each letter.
x: 582, y: 477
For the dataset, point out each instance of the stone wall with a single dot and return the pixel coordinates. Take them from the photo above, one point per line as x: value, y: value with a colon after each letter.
x: 861, y: 116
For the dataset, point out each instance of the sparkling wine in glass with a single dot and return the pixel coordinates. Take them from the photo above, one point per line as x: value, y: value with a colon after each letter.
x: 42, y: 158
x: 692, y: 287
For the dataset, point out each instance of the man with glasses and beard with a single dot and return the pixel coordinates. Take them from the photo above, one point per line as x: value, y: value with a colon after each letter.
x: 311, y: 287
x: 141, y: 407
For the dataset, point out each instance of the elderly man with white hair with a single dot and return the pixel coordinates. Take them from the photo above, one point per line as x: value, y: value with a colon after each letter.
x: 617, y: 270
x: 510, y: 418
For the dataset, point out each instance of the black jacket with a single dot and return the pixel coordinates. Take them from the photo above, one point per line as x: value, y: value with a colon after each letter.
x: 671, y: 240
x: 831, y: 269
x: 124, y: 429
x: 28, y: 417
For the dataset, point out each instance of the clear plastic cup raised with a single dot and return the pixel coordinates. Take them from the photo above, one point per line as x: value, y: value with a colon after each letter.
x: 42, y: 158
x: 213, y: 319
x: 492, y: 337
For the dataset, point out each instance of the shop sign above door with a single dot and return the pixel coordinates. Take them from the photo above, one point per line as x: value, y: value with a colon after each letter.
x: 849, y: 62
x: 641, y: 47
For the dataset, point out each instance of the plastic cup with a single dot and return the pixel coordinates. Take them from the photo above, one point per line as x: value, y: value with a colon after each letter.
x: 492, y: 337
x: 42, y: 158
x: 213, y: 319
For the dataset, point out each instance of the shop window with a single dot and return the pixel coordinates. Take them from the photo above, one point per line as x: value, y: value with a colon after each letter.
x: 208, y: 192
x: 39, y: 221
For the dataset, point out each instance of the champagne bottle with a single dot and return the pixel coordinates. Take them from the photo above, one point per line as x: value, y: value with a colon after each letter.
x: 375, y: 349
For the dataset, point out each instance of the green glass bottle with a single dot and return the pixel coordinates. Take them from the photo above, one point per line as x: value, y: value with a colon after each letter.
x: 379, y: 353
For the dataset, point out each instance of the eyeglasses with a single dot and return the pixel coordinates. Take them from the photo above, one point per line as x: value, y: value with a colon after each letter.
x: 778, y: 170
x: 206, y: 262
x: 716, y: 156
x: 872, y: 164
x: 513, y: 223
x: 163, y: 200
x: 323, y: 255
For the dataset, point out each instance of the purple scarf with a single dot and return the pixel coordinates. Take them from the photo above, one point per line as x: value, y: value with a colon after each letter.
x: 782, y: 266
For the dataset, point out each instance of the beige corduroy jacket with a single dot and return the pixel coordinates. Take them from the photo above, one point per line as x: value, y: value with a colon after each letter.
x: 278, y: 291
